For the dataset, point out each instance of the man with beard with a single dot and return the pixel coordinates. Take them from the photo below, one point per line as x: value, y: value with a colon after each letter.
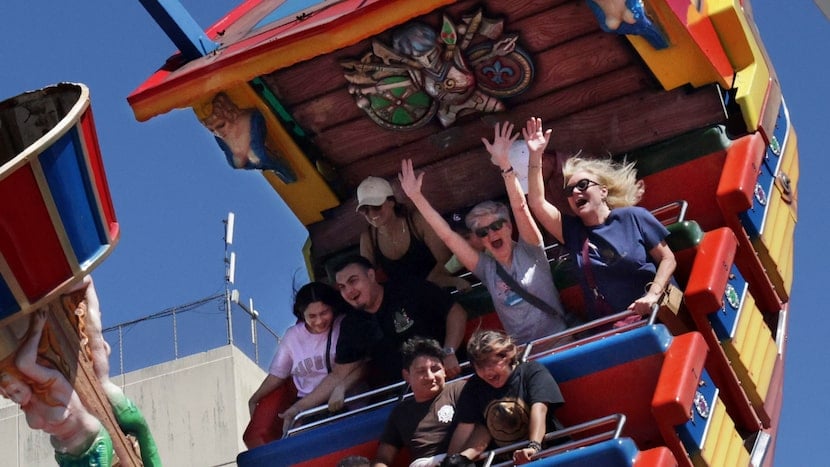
x: 384, y: 316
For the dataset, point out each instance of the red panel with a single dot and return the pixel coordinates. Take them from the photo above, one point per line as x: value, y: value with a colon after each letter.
x: 28, y: 240
x: 656, y: 457
x: 694, y: 181
x: 679, y: 378
x: 98, y: 172
x: 626, y: 389
x: 740, y: 173
x: 265, y: 425
x: 710, y: 271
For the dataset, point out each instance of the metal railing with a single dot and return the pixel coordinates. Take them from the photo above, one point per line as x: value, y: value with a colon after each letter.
x: 186, y: 330
x: 618, y: 421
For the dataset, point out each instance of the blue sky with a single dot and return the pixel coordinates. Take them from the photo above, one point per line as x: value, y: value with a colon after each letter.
x: 172, y: 187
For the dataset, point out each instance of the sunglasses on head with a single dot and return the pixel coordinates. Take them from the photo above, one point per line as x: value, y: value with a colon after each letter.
x: 581, y: 185
x: 495, y: 226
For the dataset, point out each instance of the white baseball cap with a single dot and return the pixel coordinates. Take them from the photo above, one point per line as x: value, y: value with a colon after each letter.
x: 373, y: 191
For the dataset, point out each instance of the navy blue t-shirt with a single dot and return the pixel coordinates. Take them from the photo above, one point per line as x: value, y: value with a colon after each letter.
x: 618, y: 251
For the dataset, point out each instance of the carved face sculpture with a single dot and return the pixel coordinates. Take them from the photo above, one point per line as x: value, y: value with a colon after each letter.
x: 14, y: 389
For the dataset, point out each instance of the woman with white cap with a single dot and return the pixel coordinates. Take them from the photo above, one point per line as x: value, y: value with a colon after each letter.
x: 399, y: 243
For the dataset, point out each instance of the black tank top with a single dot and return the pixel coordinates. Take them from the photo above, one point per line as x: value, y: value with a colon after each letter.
x: 417, y: 261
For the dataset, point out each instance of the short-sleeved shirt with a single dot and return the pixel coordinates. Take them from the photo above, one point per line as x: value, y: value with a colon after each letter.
x: 424, y: 427
x: 523, y: 321
x: 505, y: 411
x: 302, y: 354
x: 619, y: 253
x: 409, y: 308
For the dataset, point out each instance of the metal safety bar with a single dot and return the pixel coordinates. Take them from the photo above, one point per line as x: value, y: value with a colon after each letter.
x: 545, y: 342
x: 397, y: 392
x: 680, y: 206
x: 617, y: 419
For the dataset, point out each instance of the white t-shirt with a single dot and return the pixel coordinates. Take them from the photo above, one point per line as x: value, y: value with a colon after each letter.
x: 301, y: 354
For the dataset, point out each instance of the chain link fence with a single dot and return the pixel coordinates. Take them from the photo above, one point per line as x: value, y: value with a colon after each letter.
x: 186, y: 330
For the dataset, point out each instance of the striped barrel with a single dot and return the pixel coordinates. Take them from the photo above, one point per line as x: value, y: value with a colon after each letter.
x: 57, y: 221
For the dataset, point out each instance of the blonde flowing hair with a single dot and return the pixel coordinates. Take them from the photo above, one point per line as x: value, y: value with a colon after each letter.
x: 619, y: 178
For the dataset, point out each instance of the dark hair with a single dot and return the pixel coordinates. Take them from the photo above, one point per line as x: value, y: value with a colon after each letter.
x: 348, y: 261
x: 486, y: 342
x: 420, y: 347
x: 317, y: 292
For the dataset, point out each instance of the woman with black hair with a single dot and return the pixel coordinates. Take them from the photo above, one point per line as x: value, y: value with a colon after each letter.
x: 306, y: 352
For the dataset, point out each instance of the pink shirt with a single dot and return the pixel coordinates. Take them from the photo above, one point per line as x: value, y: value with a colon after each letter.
x: 301, y: 354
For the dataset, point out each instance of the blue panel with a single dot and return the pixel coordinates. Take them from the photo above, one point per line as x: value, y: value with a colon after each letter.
x: 691, y: 433
x: 775, y: 148
x: 72, y: 191
x: 723, y: 321
x: 608, y: 352
x: 8, y: 304
x: 753, y: 218
x: 317, y: 442
x: 611, y: 453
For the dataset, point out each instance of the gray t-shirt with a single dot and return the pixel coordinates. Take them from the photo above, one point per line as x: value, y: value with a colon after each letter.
x: 523, y: 321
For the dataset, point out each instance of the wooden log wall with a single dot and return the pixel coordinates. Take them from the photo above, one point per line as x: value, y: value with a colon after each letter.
x: 589, y: 86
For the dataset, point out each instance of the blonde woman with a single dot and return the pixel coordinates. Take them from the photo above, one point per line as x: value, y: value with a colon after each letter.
x: 620, y: 249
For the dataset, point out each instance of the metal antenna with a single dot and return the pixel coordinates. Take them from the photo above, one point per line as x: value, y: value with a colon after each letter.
x: 230, y: 271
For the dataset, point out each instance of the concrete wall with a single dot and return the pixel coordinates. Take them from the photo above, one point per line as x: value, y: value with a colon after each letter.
x: 197, y: 408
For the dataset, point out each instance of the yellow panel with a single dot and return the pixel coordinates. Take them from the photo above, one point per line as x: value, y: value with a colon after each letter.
x: 752, y: 353
x: 726, y: 18
x: 310, y: 194
x: 753, y: 79
x: 682, y: 62
x: 723, y: 445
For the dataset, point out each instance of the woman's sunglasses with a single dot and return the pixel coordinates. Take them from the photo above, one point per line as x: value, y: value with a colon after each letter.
x: 495, y: 227
x: 581, y: 185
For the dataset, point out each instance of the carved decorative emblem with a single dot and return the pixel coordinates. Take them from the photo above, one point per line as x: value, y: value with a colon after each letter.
x: 701, y: 405
x: 463, y: 68
x: 732, y: 297
x: 760, y: 194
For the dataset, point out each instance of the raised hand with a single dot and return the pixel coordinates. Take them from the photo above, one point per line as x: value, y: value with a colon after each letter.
x: 499, y: 149
x: 410, y: 183
x: 536, y: 136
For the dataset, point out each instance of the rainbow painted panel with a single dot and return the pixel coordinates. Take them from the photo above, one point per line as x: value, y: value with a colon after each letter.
x: 771, y: 222
x: 61, y: 223
x: 753, y: 219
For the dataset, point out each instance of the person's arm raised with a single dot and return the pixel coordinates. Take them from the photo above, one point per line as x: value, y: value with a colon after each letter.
x: 548, y: 215
x: 499, y: 151
x: 439, y: 274
x: 411, y: 185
